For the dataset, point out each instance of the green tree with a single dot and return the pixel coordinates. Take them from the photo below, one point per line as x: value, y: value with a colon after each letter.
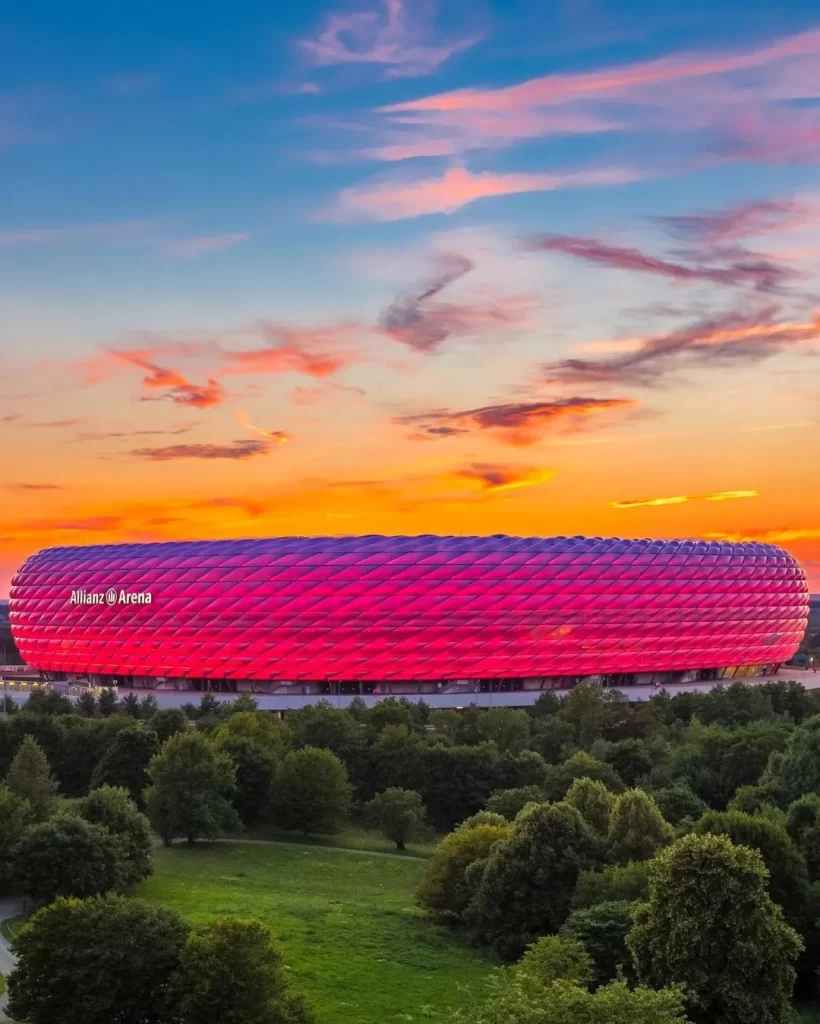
x: 48, y: 702
x: 108, y: 703
x: 799, y: 770
x: 444, y: 891
x: 580, y: 766
x: 594, y: 802
x: 631, y: 759
x: 755, y: 800
x: 129, y: 705
x: 114, y: 810
x: 148, y: 707
x: 456, y: 781
x: 710, y: 925
x: 313, y: 792
x: 637, y: 829
x: 508, y: 728
x: 192, y: 786
x: 30, y: 778
x: 788, y: 878
x: 257, y: 726
x: 555, y: 958
x: 167, y: 722
x: 16, y: 817
x: 230, y: 971
x: 508, y: 802
x: 67, y: 856
x: 553, y: 738
x: 87, y: 704
x: 526, y: 768
x: 257, y: 767
x: 613, y: 884
x: 323, y: 726
x: 483, y: 818
x: 803, y: 825
x: 602, y: 931
x: 125, y: 761
x: 399, y: 815
x: 96, y: 961
x: 527, y: 885
x: 677, y: 802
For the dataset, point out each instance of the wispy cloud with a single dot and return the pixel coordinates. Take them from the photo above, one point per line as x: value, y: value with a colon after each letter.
x: 275, y: 435
x: 423, y: 322
x: 173, y: 385
x: 314, y: 351
x: 395, y: 35
x: 518, y: 424
x: 401, y: 198
x: 235, y: 450
x: 202, y: 245
x: 683, y: 499
x: 492, y: 478
x: 745, y: 220
x: 736, y: 338
x: 32, y: 487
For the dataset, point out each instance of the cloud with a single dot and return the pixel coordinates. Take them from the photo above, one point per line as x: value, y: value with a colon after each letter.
x: 177, y: 388
x: 491, y: 478
x: 747, y: 269
x: 13, y: 417
x: 784, y: 535
x: 736, y: 338
x: 388, y: 37
x: 235, y: 450
x: 193, y: 248
x: 518, y: 424
x: 401, y: 198
x: 316, y: 352
x: 420, y: 320
x: 32, y: 487
x: 92, y: 435
x: 683, y: 499
x: 115, y: 231
x: 685, y: 93
x: 787, y: 136
x: 746, y: 220
x: 49, y: 424
x: 275, y: 435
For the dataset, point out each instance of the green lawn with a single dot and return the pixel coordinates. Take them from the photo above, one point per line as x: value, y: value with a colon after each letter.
x: 355, y: 942
x: 350, y: 839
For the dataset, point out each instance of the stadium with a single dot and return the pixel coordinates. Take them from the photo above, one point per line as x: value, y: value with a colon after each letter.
x: 443, y: 619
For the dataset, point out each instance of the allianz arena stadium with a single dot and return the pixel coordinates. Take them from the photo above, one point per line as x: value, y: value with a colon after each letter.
x: 428, y: 617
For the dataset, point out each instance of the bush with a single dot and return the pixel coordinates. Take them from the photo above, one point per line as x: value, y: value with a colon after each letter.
x: 602, y: 930
x: 444, y: 890
x: 614, y: 884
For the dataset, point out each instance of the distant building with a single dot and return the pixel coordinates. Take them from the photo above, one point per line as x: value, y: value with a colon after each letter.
x: 416, y: 616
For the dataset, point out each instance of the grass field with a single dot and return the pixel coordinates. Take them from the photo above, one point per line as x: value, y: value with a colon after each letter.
x: 350, y: 839
x: 352, y: 937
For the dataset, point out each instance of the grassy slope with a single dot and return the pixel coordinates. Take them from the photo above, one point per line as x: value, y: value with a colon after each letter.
x: 354, y: 941
x: 350, y: 839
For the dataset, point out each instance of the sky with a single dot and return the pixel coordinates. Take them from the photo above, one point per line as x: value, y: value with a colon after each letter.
x: 531, y: 267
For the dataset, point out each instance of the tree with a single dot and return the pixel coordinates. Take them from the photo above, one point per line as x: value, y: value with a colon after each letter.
x: 108, y: 703
x: 803, y: 825
x: 710, y: 925
x: 313, y: 792
x: 148, y: 707
x: 103, y: 960
x: 230, y: 971
x: 580, y: 765
x: 527, y: 885
x: 16, y: 817
x: 77, y: 750
x: 631, y: 759
x: 257, y: 726
x: 115, y: 811
x: 677, y: 802
x: 594, y: 801
x: 755, y: 800
x: 167, y: 722
x: 799, y: 770
x: 443, y: 890
x: 125, y: 761
x: 456, y: 781
x: 602, y: 931
x: 129, y: 705
x: 321, y: 725
x: 256, y: 770
x: 87, y: 704
x: 30, y: 778
x: 637, y: 829
x: 555, y: 958
x: 508, y: 802
x: 67, y: 856
x: 48, y: 702
x: 526, y: 768
x: 192, y: 786
x: 508, y: 728
x: 788, y: 878
x: 553, y: 738
x: 399, y: 815
x: 614, y: 884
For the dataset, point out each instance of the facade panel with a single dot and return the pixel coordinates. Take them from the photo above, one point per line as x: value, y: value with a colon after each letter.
x: 407, y: 608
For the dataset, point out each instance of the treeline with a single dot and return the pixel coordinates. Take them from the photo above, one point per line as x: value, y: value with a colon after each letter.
x: 667, y: 844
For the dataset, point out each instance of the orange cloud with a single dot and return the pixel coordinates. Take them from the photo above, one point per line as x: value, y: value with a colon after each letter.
x: 397, y: 199
x: 235, y: 450
x: 316, y: 352
x: 492, y: 479
x: 682, y: 499
x: 276, y: 435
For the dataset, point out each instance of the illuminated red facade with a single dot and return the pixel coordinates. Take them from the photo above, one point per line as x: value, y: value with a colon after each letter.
x: 407, y: 608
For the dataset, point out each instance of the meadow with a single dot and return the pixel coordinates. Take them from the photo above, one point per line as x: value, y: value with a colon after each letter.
x: 346, y: 921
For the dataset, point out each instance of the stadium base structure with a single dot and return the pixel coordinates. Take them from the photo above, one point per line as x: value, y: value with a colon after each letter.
x: 444, y: 619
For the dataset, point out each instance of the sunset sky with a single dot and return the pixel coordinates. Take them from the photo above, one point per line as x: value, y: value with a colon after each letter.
x: 390, y: 266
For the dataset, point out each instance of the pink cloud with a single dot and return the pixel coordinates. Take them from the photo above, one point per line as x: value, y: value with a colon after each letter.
x: 318, y: 352
x: 192, y: 248
x: 387, y: 36
x: 396, y: 199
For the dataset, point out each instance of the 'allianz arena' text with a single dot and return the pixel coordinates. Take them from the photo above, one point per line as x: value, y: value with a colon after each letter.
x: 423, y: 615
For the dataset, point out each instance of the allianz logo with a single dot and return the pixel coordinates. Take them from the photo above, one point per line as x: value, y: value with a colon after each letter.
x: 111, y: 597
